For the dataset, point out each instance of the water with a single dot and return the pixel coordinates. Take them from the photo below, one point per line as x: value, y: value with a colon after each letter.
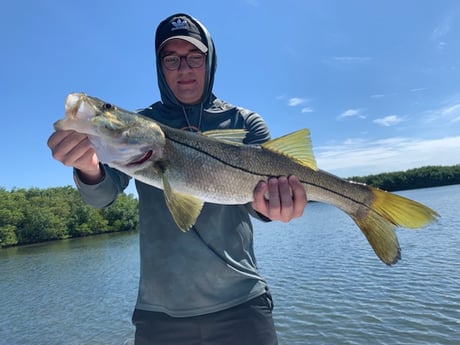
x: 328, y: 286
x: 330, y: 289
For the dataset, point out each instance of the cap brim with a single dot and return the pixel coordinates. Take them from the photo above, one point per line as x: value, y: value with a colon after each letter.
x: 189, y: 39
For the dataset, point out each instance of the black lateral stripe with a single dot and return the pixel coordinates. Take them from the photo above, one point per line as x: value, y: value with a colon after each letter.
x: 258, y: 174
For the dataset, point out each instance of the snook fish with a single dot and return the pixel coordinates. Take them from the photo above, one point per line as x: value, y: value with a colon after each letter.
x: 216, y: 167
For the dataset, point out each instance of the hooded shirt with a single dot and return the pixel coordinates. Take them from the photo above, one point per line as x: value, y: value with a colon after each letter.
x: 212, y: 267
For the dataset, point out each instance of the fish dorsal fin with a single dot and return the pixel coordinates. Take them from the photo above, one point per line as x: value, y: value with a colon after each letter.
x: 296, y: 145
x: 184, y: 208
x: 233, y: 136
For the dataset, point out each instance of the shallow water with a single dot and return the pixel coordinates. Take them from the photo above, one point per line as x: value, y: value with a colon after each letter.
x: 327, y: 284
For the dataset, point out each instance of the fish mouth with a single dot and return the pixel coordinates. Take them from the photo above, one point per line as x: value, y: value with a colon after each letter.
x: 142, y: 159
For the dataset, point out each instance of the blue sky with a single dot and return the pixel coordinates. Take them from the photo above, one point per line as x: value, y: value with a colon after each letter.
x: 376, y: 82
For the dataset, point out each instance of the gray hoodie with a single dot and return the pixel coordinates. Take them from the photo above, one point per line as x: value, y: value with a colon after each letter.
x: 212, y: 267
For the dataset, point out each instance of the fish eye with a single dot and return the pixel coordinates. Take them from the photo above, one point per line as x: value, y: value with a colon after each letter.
x: 107, y: 106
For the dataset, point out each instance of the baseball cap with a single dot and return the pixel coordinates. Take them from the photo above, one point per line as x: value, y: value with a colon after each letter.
x: 181, y: 27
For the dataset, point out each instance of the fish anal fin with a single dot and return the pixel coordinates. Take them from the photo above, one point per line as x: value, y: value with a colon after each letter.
x: 184, y: 208
x: 296, y: 145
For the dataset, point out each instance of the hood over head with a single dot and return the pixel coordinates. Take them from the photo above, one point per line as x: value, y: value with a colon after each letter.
x: 187, y: 28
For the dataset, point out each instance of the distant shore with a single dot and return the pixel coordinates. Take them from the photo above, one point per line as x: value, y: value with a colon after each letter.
x: 424, y: 177
x: 39, y: 215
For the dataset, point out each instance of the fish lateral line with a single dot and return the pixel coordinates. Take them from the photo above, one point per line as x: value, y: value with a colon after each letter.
x: 268, y: 176
x: 295, y: 146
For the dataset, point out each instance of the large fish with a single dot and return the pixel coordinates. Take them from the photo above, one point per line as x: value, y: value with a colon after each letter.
x: 216, y: 167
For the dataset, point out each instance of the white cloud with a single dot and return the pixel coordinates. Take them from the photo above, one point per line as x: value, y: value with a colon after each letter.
x: 350, y: 112
x: 388, y: 121
x: 452, y: 110
x: 442, y: 29
x: 384, y: 95
x: 447, y: 114
x: 295, y: 101
x: 418, y: 89
x: 360, y: 157
x: 352, y: 59
x: 441, y: 32
x: 353, y: 113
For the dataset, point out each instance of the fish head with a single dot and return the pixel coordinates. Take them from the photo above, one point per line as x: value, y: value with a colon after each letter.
x: 79, y: 113
x: 121, y: 138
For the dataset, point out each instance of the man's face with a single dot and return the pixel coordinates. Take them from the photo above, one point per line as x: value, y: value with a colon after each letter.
x: 186, y: 83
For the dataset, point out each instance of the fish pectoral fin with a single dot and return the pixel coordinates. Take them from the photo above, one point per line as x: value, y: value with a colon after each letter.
x: 184, y: 208
x: 296, y: 146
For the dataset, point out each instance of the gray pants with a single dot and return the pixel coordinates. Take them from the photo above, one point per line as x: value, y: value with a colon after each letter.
x: 250, y: 323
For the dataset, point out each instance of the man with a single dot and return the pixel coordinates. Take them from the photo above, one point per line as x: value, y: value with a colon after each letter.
x: 199, y: 287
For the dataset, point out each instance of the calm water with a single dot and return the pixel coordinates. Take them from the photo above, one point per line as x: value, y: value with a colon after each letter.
x: 328, y: 286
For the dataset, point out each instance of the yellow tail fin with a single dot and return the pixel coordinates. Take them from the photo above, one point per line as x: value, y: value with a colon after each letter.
x: 387, y: 212
x: 381, y: 236
x: 401, y: 211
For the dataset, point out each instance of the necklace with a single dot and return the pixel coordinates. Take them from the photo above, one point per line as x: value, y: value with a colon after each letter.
x: 189, y: 126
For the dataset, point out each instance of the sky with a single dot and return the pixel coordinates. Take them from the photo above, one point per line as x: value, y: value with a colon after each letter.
x: 376, y: 82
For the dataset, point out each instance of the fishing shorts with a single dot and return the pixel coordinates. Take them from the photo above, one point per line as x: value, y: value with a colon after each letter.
x: 250, y: 323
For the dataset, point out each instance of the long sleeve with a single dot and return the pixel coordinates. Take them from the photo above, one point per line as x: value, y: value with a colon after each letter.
x: 105, y: 192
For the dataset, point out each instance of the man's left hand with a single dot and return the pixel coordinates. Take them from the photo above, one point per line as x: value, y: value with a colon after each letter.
x: 281, y: 198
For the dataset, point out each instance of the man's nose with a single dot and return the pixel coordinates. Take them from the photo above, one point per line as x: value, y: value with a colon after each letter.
x: 183, y: 64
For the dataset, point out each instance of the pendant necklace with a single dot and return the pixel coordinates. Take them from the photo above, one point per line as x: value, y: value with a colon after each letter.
x: 190, y: 127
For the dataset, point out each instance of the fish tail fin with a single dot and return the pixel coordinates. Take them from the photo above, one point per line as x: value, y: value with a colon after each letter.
x: 401, y: 211
x: 380, y: 234
x: 387, y: 212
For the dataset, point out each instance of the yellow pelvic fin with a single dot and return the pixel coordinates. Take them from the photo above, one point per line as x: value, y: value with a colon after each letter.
x: 184, y: 208
x: 232, y: 136
x: 296, y: 146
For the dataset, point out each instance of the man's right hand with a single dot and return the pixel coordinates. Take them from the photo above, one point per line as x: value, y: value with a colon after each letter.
x: 75, y: 150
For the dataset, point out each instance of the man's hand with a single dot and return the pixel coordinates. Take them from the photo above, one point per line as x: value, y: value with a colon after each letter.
x: 286, y: 198
x: 74, y: 149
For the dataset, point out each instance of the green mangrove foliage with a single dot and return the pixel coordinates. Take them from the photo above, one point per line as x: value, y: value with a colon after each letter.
x: 36, y: 215
x: 429, y: 176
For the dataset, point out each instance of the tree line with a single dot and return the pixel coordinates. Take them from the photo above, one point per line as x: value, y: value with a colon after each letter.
x: 36, y: 215
x: 424, y: 177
